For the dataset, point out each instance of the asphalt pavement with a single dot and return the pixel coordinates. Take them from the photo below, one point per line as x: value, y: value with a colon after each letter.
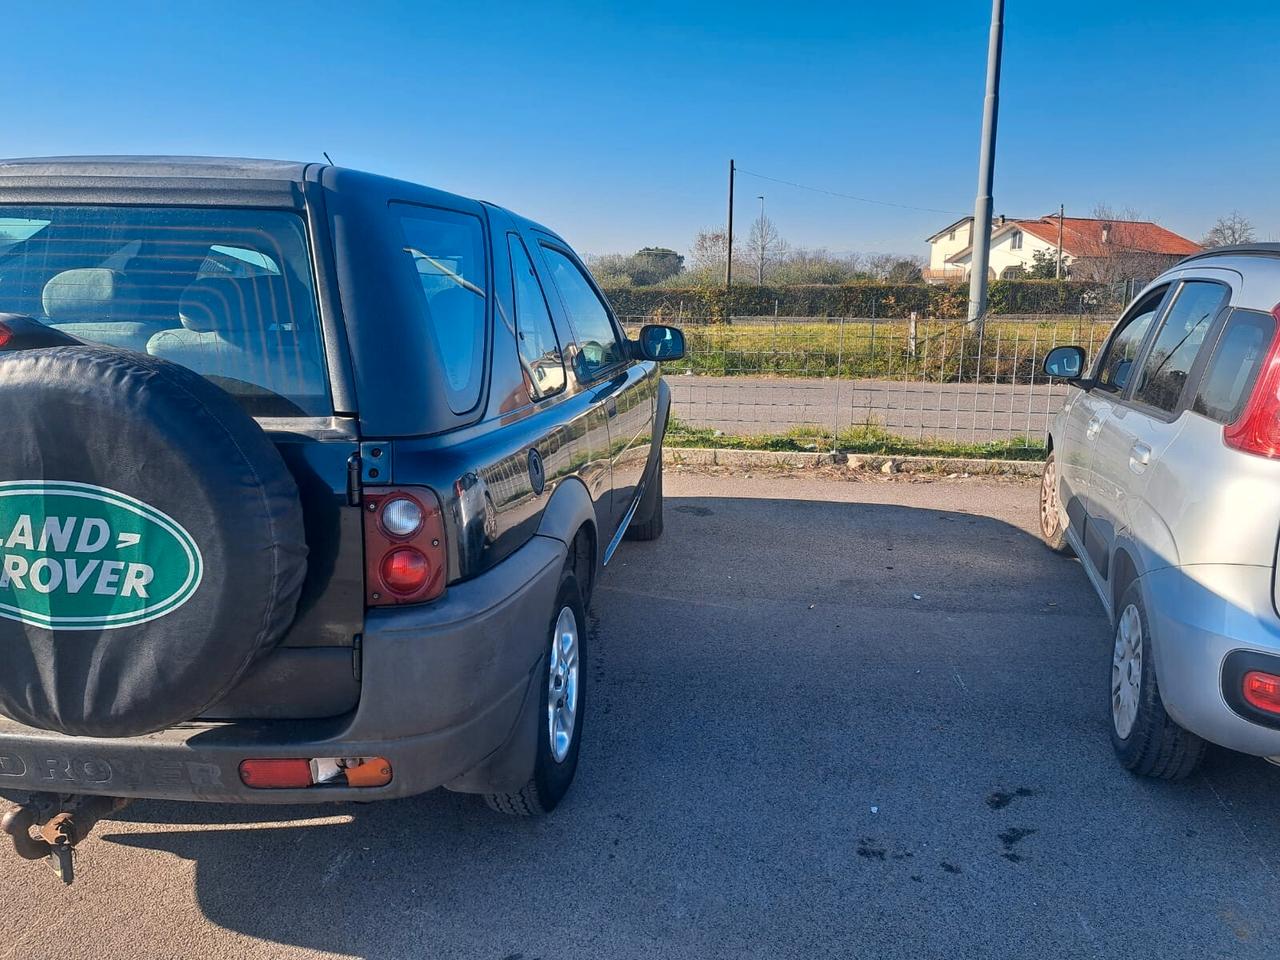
x: 826, y: 719
x: 966, y: 412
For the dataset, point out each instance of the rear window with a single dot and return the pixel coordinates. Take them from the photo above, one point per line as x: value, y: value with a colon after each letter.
x: 446, y: 250
x: 225, y: 292
x: 1229, y: 377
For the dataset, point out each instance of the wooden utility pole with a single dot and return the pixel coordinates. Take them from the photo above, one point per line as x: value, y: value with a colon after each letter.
x: 1057, y: 273
x: 728, y: 261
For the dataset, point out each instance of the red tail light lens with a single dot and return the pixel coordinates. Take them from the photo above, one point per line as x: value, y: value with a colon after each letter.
x: 1257, y: 429
x: 405, y: 570
x: 276, y: 774
x: 404, y: 546
x: 5, y: 334
x: 1262, y: 690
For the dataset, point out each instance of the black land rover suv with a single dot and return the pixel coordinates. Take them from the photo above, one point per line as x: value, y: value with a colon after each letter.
x: 308, y: 477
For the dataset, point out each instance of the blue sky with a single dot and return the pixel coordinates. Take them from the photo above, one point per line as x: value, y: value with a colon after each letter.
x: 614, y: 123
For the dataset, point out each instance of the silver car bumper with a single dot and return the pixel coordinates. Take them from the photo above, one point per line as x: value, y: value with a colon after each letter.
x: 1199, y: 615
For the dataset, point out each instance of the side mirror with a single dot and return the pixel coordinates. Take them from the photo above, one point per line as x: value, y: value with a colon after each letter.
x: 659, y: 342
x: 1064, y: 363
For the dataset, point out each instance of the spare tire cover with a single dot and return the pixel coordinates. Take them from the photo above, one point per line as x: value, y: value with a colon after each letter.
x: 151, y: 542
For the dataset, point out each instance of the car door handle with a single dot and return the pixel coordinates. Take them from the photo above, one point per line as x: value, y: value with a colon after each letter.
x: 1139, y: 457
x: 1095, y: 424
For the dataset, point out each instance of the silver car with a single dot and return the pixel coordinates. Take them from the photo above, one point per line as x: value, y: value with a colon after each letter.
x: 1163, y: 477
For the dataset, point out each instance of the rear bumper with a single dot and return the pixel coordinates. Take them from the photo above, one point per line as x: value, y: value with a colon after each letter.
x: 1200, y: 614
x: 443, y: 687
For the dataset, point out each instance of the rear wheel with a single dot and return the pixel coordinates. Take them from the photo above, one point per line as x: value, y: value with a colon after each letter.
x: 1146, y: 739
x: 1052, y: 532
x: 563, y: 700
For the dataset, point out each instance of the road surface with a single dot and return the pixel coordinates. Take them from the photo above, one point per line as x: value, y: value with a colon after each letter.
x: 951, y: 411
x: 827, y: 719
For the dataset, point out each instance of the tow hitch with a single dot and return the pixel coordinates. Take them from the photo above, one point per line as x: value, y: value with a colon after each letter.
x: 61, y: 822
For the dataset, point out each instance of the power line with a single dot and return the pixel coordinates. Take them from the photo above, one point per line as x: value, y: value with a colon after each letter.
x: 849, y: 196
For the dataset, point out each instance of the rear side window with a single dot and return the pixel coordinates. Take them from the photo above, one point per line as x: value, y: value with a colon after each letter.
x: 540, y: 359
x: 446, y: 250
x: 225, y: 292
x: 1185, y: 325
x: 1117, y: 364
x: 598, y: 346
x: 1230, y: 375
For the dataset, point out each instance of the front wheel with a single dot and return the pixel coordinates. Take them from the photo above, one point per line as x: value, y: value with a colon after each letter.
x: 1146, y: 739
x: 1052, y: 532
x: 562, y: 708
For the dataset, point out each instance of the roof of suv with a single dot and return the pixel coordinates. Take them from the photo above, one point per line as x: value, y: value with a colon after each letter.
x: 1236, y: 250
x: 123, y: 166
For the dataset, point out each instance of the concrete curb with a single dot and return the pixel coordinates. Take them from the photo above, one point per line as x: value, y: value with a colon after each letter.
x: 711, y: 457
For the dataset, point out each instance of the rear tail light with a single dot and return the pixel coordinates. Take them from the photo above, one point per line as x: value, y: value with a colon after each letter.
x: 404, y: 546
x: 1262, y: 690
x: 1257, y: 429
x: 299, y: 773
x: 276, y: 774
x: 5, y: 335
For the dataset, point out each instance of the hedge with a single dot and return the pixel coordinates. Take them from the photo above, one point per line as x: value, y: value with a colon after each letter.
x: 863, y: 299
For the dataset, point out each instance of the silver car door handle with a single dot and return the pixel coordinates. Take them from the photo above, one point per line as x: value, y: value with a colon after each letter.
x: 1139, y: 457
x: 1095, y: 424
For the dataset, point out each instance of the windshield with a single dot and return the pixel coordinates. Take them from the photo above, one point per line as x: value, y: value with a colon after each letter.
x: 225, y: 292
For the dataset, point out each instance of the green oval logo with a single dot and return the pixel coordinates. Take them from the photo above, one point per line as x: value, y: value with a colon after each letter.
x: 78, y: 557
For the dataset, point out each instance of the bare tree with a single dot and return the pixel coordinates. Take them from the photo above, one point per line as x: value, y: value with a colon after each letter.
x: 896, y: 267
x: 1119, y: 252
x: 1233, y: 228
x: 764, y: 246
x: 709, y: 251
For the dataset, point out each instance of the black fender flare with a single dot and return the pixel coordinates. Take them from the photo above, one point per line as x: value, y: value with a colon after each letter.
x: 569, y: 508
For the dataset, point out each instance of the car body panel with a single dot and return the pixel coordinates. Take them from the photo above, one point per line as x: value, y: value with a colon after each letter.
x: 442, y: 689
x: 1169, y: 505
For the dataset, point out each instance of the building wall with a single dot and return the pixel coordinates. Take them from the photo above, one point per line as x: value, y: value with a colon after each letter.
x: 944, y: 246
x: 1004, y: 256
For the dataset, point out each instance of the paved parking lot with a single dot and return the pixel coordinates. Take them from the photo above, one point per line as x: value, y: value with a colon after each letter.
x: 827, y: 718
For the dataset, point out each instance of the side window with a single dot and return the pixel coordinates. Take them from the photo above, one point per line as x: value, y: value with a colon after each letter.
x: 1185, y: 325
x: 1117, y: 363
x: 540, y: 358
x: 446, y: 251
x: 1229, y: 377
x: 598, y: 346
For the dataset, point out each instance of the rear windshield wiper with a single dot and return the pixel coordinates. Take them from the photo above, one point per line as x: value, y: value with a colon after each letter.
x: 460, y: 281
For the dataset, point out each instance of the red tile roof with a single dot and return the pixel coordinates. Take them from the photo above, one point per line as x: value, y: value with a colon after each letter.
x: 1084, y: 237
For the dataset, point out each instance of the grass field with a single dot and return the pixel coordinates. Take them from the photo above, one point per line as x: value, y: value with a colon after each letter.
x: 1010, y: 351
x: 865, y: 438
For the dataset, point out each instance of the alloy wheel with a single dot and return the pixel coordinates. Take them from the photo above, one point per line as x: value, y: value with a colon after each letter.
x: 1126, y: 672
x: 562, y: 685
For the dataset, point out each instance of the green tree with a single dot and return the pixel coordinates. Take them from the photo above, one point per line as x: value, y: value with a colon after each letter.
x: 1044, y: 266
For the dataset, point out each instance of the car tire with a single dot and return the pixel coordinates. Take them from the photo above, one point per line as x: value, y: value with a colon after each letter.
x: 1146, y: 739
x: 564, y: 677
x: 1052, y: 532
x: 647, y: 523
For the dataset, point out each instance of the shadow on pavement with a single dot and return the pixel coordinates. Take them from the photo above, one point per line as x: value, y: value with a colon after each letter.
x: 815, y: 728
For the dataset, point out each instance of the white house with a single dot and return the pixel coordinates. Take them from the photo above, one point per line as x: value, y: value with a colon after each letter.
x: 1091, y: 248
x: 950, y: 240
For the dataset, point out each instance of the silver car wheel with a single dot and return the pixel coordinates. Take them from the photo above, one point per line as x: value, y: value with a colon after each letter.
x: 562, y: 685
x: 1126, y: 672
x: 1049, y: 518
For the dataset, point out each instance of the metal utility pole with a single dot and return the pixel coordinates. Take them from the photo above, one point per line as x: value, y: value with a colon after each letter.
x: 728, y: 262
x: 761, y: 251
x: 986, y: 172
x: 1057, y: 272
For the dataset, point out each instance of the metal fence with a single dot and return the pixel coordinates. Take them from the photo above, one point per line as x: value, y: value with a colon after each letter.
x: 851, y: 377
